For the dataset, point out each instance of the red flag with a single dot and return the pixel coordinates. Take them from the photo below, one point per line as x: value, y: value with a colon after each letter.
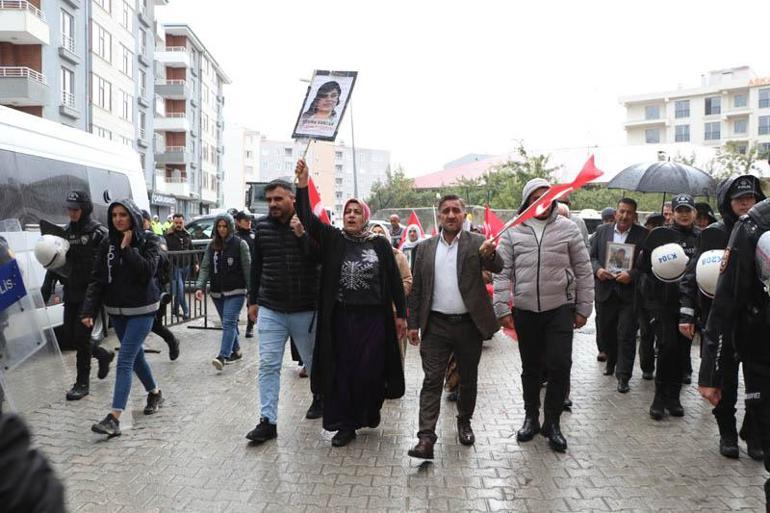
x: 414, y: 222
x: 315, y: 203
x: 587, y: 174
x: 492, y: 223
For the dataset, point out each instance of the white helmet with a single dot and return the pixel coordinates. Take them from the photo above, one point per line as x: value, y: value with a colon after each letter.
x: 762, y: 260
x: 51, y: 251
x: 669, y: 262
x: 707, y: 271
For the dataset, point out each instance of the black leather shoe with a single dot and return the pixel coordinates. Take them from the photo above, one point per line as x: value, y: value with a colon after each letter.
x: 647, y: 376
x: 728, y: 447
x: 623, y: 387
x: 423, y: 450
x: 755, y: 451
x: 316, y: 410
x: 77, y: 392
x: 343, y: 437
x: 452, y: 396
x: 173, y: 349
x: 656, y: 408
x: 105, y: 359
x: 556, y: 440
x: 465, y: 432
x: 601, y: 357
x: 687, y: 378
x: 263, y: 432
x: 609, y: 371
x: 528, y: 430
x: 672, y: 403
x: 567, y: 405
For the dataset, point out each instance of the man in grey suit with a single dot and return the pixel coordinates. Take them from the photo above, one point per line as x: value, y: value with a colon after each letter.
x: 450, y: 306
x: 616, y: 319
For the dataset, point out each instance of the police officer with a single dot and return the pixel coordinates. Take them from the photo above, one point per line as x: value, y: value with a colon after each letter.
x: 661, y: 299
x: 244, y: 231
x: 735, y: 196
x: 742, y: 298
x: 84, y: 235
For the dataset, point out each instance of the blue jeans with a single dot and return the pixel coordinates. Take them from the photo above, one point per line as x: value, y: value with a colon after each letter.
x: 274, y: 328
x: 177, y: 289
x: 131, y: 331
x: 229, y: 309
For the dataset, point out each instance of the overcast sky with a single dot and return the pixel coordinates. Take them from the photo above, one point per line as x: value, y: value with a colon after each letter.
x: 438, y: 80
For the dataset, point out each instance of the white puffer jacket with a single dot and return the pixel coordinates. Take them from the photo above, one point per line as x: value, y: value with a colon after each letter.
x: 545, y: 276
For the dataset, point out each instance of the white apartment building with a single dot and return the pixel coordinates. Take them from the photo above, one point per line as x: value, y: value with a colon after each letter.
x: 731, y: 105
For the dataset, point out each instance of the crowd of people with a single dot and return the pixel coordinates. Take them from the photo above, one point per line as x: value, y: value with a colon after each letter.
x: 349, y: 301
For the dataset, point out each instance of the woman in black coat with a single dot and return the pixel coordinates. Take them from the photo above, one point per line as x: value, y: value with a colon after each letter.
x: 356, y: 359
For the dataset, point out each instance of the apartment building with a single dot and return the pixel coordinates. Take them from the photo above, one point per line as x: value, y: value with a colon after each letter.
x: 731, y: 105
x: 254, y: 157
x: 83, y: 63
x: 189, y: 125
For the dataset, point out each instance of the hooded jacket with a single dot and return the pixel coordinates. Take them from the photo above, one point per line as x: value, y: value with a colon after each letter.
x: 123, y: 279
x: 229, y: 268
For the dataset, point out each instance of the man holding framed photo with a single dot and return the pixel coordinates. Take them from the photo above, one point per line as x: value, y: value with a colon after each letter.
x: 614, y: 250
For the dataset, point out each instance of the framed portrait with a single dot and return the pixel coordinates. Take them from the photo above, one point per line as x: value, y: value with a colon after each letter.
x: 325, y: 102
x: 620, y: 257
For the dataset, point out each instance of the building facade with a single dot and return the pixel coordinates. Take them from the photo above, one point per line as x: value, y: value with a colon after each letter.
x: 189, y: 125
x: 731, y: 106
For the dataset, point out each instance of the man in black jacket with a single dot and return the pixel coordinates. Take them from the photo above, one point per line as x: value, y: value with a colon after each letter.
x: 735, y: 198
x: 283, y: 293
x: 244, y: 231
x: 742, y: 299
x: 178, y: 239
x: 615, y: 290
x: 84, y: 235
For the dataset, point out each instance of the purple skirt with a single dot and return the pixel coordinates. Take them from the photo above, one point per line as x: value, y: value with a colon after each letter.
x: 359, y: 379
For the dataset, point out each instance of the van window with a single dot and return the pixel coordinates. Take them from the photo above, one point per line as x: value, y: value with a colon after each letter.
x: 106, y: 187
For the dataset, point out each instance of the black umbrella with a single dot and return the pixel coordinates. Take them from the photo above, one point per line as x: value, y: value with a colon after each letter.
x: 664, y: 176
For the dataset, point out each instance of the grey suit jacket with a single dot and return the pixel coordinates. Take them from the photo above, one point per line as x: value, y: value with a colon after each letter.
x: 469, y: 281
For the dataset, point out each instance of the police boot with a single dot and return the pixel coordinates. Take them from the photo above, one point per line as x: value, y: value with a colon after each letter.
x: 672, y: 403
x: 728, y: 436
x: 656, y: 409
x: 750, y: 434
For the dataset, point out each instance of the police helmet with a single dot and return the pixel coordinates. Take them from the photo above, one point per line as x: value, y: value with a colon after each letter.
x: 762, y: 259
x: 707, y: 271
x: 668, y: 262
x: 51, y: 251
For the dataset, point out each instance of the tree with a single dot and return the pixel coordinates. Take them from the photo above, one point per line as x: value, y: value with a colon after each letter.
x: 397, y: 192
x: 735, y: 159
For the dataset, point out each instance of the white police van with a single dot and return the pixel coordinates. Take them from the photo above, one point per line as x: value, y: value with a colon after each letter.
x: 40, y: 161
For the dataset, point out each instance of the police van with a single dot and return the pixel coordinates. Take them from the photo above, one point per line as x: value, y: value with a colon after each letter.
x: 40, y: 161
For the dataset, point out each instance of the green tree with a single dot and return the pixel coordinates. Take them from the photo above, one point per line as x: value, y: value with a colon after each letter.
x: 735, y: 159
x: 398, y: 192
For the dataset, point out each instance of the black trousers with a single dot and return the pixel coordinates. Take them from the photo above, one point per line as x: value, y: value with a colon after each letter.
x: 545, y: 344
x: 673, y: 347
x: 646, y: 340
x: 159, y: 329
x: 78, y: 336
x: 725, y: 410
x: 758, y: 406
x: 443, y: 338
x: 618, y: 333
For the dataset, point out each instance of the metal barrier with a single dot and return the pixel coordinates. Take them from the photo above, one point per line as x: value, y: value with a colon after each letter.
x: 184, y: 274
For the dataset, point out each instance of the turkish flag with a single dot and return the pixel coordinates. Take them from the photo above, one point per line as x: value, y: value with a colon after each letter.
x: 492, y: 223
x: 587, y: 174
x: 414, y: 221
x: 315, y: 203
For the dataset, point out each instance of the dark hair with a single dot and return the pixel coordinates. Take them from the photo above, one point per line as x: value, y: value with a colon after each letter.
x: 217, y: 242
x: 274, y: 184
x: 631, y: 202
x: 325, y: 88
x: 450, y: 197
x: 178, y: 215
x: 146, y: 215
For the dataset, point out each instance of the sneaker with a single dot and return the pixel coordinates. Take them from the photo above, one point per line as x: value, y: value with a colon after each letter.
x: 218, y: 363
x: 234, y: 358
x: 154, y: 402
x: 104, y: 364
x: 77, y: 392
x: 173, y: 349
x: 263, y: 432
x: 110, y: 426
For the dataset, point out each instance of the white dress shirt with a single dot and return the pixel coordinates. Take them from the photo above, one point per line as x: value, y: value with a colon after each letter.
x: 618, y: 236
x: 446, y: 289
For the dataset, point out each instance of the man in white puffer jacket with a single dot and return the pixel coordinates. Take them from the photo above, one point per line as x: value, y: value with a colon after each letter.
x: 547, y: 267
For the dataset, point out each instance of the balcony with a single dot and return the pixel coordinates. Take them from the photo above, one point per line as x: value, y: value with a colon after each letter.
x: 736, y: 112
x: 21, y: 23
x: 67, y: 49
x: 22, y: 86
x: 175, y: 184
x: 646, y: 123
x: 67, y: 106
x: 172, y: 122
x: 174, y: 155
x: 172, y: 89
x: 173, y: 56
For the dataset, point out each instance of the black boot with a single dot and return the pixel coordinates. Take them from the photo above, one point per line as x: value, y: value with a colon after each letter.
x: 749, y: 434
x: 728, y: 436
x: 316, y: 409
x: 77, y: 392
x: 552, y: 431
x: 657, y: 408
x: 529, y: 429
x: 672, y: 403
x: 104, y: 357
x: 767, y: 496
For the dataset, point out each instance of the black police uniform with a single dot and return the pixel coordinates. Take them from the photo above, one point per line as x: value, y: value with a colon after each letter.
x: 741, y: 298
x: 249, y: 237
x: 695, y: 308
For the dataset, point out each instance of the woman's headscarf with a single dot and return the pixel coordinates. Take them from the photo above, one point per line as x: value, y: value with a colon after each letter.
x: 367, y: 214
x: 408, y: 244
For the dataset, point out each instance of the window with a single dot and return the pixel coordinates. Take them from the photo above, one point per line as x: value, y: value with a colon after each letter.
x: 248, y: 154
x: 205, y: 123
x: 142, y: 83
x: 338, y: 168
x: 713, y: 131
x: 127, y: 141
x: 126, y: 105
x: 287, y: 152
x: 67, y: 87
x: 338, y: 155
x: 741, y: 148
x: 713, y: 105
x: 142, y: 120
x: 338, y: 181
x: 104, y: 4
x: 682, y: 133
x: 652, y: 112
x: 142, y: 41
x: 682, y: 109
x: 763, y: 150
x: 338, y: 194
x: 101, y: 92
x: 764, y: 98
x: 101, y: 42
x: 127, y: 63
x: 101, y: 132
x: 741, y: 126
x: 764, y: 125
x: 740, y: 100
x: 652, y: 135
x: 128, y: 16
x: 68, y: 31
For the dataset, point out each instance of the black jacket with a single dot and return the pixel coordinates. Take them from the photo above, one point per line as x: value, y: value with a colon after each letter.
x: 740, y: 299
x: 178, y: 240
x: 598, y: 250
x: 284, y: 273
x: 248, y: 237
x: 124, y: 280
